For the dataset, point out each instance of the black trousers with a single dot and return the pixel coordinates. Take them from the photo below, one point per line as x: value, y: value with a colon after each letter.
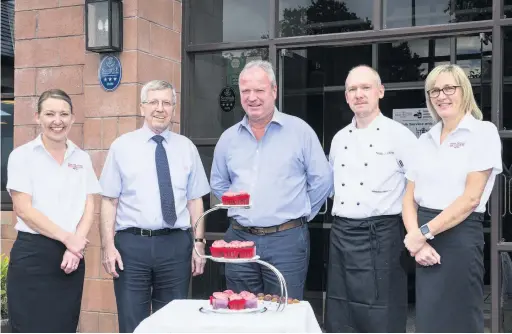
x: 366, y: 281
x: 449, y: 296
x: 41, y: 297
x: 156, y: 271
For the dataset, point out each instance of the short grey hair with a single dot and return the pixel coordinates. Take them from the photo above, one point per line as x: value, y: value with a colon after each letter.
x: 156, y: 85
x: 265, y: 66
x: 375, y: 73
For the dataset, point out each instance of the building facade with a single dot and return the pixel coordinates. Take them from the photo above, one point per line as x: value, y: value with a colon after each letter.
x: 201, y: 46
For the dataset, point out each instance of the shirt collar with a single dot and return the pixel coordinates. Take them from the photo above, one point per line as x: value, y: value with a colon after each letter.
x: 466, y: 123
x: 147, y: 133
x: 70, y: 146
x: 277, y: 118
x: 375, y: 124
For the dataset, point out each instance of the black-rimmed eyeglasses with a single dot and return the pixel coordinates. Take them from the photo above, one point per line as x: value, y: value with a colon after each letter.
x: 447, y: 90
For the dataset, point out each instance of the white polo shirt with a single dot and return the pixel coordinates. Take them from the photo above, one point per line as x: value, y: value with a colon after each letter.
x: 58, y: 191
x: 440, y: 170
x: 369, y: 166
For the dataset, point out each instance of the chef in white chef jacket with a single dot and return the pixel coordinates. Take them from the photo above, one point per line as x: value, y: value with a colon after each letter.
x: 367, y: 283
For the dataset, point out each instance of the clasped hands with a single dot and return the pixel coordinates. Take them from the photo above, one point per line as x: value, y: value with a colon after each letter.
x: 75, y: 251
x: 417, y: 245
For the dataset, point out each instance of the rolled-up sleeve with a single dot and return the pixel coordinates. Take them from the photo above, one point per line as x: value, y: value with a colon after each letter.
x: 18, y: 173
x: 110, y: 179
x: 197, y: 181
x: 319, y: 172
x: 219, y: 177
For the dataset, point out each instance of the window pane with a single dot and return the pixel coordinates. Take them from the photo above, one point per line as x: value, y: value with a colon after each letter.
x: 410, y: 13
x: 306, y: 17
x: 215, y: 97
x: 407, y: 61
x: 227, y: 20
x: 507, y: 8
x: 7, y: 121
x: 507, y: 78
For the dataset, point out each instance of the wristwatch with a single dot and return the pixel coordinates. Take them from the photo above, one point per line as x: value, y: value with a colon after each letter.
x: 426, y: 232
x: 203, y: 240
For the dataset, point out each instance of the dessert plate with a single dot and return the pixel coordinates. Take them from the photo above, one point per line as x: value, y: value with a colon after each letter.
x: 228, y: 260
x: 233, y: 206
x: 209, y: 309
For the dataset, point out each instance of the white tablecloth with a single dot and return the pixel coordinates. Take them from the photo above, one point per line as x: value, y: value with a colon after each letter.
x: 184, y: 316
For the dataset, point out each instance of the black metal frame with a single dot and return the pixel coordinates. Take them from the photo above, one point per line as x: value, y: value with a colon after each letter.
x: 377, y: 35
x: 110, y: 47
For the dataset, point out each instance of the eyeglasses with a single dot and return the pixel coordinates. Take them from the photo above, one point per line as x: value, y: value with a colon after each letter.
x: 447, y: 90
x: 156, y: 103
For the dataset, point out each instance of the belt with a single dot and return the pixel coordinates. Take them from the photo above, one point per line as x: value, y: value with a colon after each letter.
x: 268, y: 230
x: 150, y: 233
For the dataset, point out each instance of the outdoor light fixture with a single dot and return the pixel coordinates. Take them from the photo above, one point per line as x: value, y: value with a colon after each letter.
x: 104, y: 25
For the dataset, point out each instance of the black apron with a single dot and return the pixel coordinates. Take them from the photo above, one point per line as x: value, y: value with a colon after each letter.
x: 367, y: 281
x: 449, y: 296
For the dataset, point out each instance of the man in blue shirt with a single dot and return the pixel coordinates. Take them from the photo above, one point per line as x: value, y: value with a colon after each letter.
x: 153, y: 182
x: 278, y: 160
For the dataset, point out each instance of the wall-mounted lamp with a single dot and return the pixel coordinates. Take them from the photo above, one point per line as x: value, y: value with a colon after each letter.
x: 104, y: 25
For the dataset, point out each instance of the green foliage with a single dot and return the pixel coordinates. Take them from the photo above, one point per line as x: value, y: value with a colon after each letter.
x: 4, y: 262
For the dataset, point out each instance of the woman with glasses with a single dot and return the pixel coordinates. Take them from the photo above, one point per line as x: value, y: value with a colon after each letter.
x: 51, y: 182
x: 444, y: 204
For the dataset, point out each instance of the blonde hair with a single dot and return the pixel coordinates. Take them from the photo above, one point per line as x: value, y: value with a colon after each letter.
x: 468, y: 99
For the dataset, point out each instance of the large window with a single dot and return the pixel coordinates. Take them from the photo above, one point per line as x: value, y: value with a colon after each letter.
x: 7, y: 94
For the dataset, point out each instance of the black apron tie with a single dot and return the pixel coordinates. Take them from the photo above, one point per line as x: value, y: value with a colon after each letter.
x: 374, y: 249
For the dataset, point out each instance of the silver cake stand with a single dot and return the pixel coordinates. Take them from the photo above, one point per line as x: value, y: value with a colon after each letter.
x: 284, y: 291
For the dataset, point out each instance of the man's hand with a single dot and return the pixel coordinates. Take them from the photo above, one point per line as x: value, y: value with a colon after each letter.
x: 427, y: 256
x: 197, y: 262
x: 70, y: 262
x: 414, y: 241
x: 109, y: 257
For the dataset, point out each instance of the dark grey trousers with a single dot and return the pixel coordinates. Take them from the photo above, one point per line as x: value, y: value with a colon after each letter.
x: 156, y: 271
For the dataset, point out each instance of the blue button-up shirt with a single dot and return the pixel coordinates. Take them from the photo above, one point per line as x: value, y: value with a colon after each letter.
x: 286, y: 172
x: 130, y: 175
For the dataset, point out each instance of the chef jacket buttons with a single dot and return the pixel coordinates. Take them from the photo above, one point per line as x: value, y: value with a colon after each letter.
x: 371, y: 145
x: 378, y: 129
x: 342, y: 203
x: 365, y: 164
x: 350, y: 131
x: 345, y: 147
x: 357, y: 203
x: 342, y: 165
x: 343, y: 184
x: 361, y: 183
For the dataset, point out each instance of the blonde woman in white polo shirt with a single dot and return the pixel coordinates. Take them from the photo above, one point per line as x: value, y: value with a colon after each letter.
x: 51, y: 182
x: 444, y: 204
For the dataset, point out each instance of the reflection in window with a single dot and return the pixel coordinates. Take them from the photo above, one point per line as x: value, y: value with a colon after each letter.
x: 411, y: 13
x: 215, y: 78
x: 306, y: 17
x: 474, y: 55
x: 215, y: 21
x: 407, y: 61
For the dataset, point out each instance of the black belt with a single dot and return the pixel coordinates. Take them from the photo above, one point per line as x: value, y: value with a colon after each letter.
x: 268, y: 230
x: 150, y: 233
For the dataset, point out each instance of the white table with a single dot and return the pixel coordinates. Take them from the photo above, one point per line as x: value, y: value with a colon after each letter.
x: 183, y: 316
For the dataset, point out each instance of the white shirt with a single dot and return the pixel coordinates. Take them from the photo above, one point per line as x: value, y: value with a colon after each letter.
x: 58, y: 191
x: 130, y: 175
x: 440, y: 170
x: 369, y: 166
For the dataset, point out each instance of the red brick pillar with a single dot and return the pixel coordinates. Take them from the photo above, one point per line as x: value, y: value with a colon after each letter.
x: 50, y: 53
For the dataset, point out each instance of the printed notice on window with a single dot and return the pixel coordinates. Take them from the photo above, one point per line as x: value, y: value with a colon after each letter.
x: 418, y: 120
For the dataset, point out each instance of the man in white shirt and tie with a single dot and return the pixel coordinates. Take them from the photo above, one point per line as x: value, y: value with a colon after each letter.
x: 153, y: 182
x: 367, y: 281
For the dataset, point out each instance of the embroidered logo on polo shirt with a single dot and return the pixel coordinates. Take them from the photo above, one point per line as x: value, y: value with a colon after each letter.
x: 75, y: 166
x: 457, y: 144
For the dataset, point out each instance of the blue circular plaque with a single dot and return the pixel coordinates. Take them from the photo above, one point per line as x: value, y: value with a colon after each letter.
x: 110, y: 72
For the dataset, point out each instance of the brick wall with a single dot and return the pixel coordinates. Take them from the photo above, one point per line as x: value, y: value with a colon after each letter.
x: 50, y: 53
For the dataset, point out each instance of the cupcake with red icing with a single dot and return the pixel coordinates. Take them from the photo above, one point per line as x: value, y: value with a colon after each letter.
x: 219, y: 300
x: 236, y: 302
x: 218, y: 247
x: 247, y: 249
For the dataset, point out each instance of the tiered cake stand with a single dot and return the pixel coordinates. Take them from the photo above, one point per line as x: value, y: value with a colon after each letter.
x: 283, y: 300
